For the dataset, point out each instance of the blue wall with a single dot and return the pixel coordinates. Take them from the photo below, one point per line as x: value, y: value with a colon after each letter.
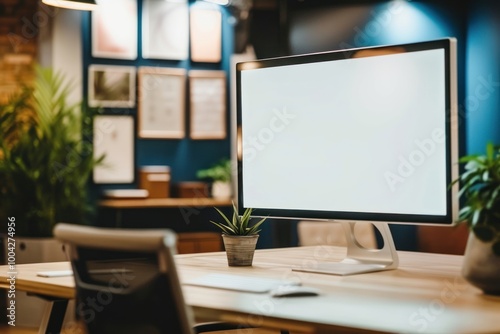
x: 481, y: 103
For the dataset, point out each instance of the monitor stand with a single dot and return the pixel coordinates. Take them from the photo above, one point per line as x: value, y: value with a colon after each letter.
x: 360, y: 259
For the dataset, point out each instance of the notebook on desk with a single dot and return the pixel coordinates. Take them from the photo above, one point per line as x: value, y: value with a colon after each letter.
x: 239, y: 283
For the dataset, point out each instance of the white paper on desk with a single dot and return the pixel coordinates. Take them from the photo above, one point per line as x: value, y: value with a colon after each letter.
x: 55, y: 273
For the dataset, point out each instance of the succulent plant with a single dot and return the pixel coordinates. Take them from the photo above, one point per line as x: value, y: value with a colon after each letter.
x: 238, y: 225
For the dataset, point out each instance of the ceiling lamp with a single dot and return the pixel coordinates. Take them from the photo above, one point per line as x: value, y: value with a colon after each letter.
x: 72, y: 4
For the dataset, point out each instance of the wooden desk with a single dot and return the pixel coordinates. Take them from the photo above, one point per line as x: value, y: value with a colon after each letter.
x: 162, y: 203
x: 159, y: 203
x: 426, y: 294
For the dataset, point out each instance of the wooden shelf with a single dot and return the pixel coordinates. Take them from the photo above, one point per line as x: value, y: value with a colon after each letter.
x: 162, y: 203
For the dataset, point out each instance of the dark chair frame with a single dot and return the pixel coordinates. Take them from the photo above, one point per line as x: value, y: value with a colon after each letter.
x: 87, y: 246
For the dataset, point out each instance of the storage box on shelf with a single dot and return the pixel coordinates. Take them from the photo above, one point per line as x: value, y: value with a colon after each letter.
x: 156, y: 180
x: 192, y: 190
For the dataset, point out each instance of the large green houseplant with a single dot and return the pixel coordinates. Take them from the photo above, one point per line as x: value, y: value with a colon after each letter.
x: 45, y: 157
x: 480, y: 191
x: 239, y: 236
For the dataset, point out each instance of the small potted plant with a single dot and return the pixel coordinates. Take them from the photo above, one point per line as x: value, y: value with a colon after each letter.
x: 220, y: 175
x: 239, y: 236
x: 480, y: 189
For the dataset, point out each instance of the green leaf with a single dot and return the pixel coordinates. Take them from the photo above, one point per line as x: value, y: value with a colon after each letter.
x: 476, y: 217
x: 495, y: 193
x: 465, y: 212
x: 490, y: 151
x: 476, y: 163
x: 236, y: 220
x: 225, y: 229
x: 220, y: 171
x: 224, y: 217
x: 467, y: 158
x: 471, y: 182
x: 253, y: 229
x: 245, y: 219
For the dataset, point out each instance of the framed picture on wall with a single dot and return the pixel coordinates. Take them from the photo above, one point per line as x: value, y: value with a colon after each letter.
x: 165, y: 29
x: 114, y: 30
x: 206, y: 35
x: 207, y: 96
x: 162, y: 94
x: 114, y: 138
x: 111, y: 86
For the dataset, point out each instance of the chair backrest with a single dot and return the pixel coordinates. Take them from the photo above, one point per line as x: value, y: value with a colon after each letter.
x: 126, y: 280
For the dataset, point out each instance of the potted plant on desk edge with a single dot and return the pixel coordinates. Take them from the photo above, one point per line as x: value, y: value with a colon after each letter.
x: 480, y: 188
x: 239, y: 237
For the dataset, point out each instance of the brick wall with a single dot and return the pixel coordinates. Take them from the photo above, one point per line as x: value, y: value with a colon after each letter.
x: 19, y: 27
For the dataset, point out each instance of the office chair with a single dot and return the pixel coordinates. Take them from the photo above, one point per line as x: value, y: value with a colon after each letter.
x: 126, y: 281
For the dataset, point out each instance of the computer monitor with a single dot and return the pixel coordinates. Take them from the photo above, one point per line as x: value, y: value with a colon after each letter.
x: 359, y: 135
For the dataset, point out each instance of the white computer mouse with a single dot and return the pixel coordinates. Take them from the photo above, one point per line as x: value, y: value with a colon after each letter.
x: 294, y: 291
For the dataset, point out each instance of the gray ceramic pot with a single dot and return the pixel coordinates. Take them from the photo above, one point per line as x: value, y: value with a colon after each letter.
x: 240, y: 249
x: 481, y: 267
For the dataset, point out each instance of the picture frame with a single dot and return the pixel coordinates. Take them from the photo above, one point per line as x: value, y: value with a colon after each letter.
x: 162, y: 95
x: 111, y: 86
x: 207, y: 96
x: 115, y: 30
x: 114, y: 138
x: 205, y: 34
x: 165, y: 29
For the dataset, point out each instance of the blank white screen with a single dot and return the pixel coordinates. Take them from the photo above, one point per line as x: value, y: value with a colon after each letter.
x: 354, y: 135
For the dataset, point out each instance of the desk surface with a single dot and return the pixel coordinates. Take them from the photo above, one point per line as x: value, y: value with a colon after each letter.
x: 426, y: 294
x: 162, y: 203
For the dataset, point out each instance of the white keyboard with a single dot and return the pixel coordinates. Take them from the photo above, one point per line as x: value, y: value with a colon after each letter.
x: 239, y: 283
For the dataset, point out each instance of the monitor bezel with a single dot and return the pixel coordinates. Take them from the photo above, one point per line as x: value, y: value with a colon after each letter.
x: 451, y: 135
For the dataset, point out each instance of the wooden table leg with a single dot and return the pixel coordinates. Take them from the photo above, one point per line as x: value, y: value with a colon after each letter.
x: 53, y: 316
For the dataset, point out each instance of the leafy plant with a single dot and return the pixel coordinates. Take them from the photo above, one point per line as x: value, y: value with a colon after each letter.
x: 45, y: 161
x: 480, y: 187
x: 238, y: 225
x: 220, y: 171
